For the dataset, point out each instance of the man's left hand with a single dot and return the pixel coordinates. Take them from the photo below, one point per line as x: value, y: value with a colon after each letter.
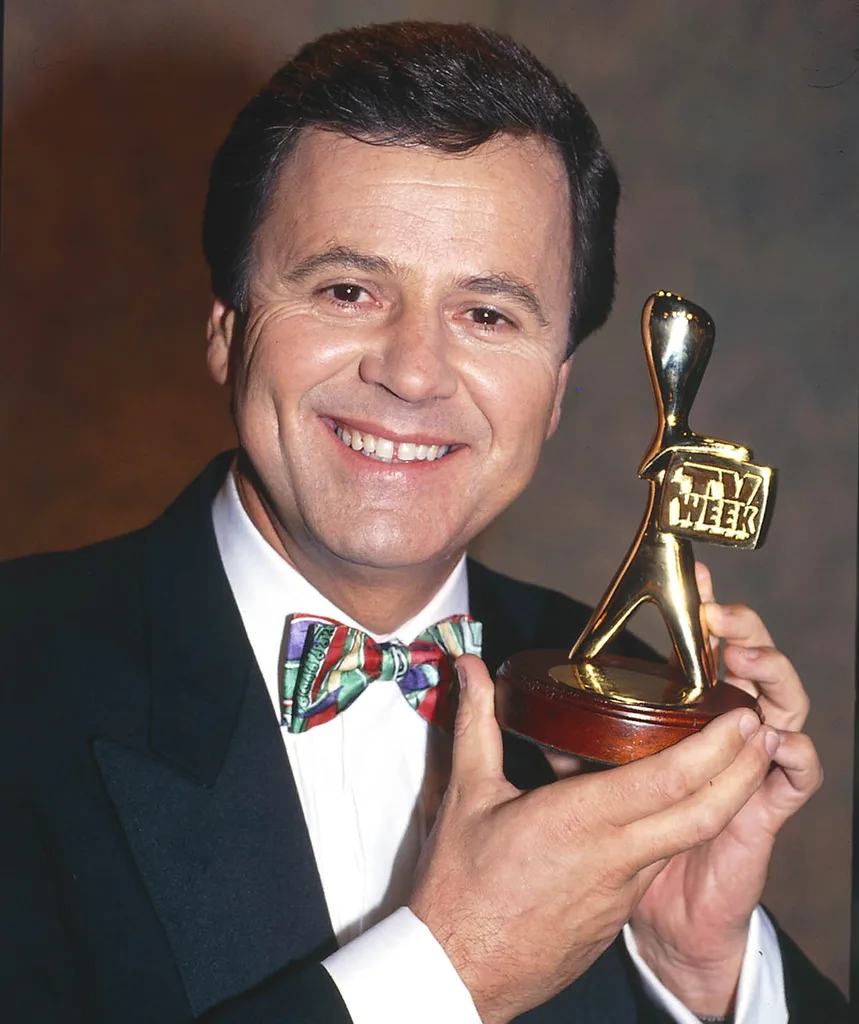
x: 692, y: 925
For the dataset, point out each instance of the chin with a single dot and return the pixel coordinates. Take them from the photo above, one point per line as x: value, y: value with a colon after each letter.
x: 383, y: 545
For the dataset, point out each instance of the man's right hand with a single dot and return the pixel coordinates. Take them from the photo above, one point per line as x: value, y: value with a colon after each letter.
x: 523, y: 891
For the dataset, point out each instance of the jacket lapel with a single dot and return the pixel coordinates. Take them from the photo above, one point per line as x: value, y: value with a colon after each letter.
x: 210, y: 809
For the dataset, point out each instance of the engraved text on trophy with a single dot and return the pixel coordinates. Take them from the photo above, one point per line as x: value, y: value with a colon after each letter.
x: 714, y: 499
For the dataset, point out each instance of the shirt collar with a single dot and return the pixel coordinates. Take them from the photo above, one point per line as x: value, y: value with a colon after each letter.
x: 267, y: 588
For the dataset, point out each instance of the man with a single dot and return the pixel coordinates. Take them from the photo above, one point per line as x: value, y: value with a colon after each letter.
x: 408, y: 230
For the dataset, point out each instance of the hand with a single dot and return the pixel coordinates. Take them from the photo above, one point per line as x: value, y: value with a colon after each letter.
x: 692, y: 924
x: 524, y: 890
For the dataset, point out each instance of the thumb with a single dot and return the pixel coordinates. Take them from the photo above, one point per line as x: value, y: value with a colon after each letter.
x: 477, y: 749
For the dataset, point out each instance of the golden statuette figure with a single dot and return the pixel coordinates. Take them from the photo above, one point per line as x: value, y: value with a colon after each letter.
x: 614, y: 709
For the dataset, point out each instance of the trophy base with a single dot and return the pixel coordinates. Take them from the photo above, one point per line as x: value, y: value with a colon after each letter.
x: 607, y: 709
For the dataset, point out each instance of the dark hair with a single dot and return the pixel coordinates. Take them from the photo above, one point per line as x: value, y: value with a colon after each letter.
x: 449, y: 87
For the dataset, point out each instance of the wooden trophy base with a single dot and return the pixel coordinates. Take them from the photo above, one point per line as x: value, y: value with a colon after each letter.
x: 607, y: 709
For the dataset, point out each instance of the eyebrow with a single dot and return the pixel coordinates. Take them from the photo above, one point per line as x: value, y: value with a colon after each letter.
x: 343, y: 257
x: 509, y: 286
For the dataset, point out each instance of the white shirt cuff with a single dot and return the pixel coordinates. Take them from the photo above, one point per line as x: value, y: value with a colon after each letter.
x: 760, y: 995
x: 396, y: 971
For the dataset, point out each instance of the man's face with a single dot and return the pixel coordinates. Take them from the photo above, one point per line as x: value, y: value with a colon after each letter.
x: 409, y: 302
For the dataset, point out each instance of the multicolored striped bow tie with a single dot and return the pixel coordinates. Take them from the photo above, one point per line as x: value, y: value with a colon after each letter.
x: 329, y: 665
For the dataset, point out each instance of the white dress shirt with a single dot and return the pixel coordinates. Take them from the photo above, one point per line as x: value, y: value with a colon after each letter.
x: 370, y: 782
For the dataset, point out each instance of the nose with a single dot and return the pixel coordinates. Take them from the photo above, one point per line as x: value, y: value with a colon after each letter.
x: 411, y: 358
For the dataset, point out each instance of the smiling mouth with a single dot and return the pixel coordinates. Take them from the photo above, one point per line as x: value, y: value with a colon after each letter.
x: 383, y: 449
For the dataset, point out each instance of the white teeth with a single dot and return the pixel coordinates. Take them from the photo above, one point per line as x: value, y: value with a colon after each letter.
x: 382, y: 448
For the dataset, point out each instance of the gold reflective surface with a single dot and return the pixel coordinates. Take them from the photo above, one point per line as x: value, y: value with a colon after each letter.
x: 699, y: 488
x: 619, y: 683
x: 714, y: 499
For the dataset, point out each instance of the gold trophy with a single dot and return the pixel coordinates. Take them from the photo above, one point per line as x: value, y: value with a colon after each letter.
x: 615, y: 709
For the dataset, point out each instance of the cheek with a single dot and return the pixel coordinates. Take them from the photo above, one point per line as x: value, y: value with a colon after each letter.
x: 287, y: 360
x: 517, y: 401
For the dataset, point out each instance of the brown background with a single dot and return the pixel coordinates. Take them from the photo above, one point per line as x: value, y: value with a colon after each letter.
x: 735, y: 129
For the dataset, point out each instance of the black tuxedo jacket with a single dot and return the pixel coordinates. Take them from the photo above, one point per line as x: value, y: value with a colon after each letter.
x: 154, y: 863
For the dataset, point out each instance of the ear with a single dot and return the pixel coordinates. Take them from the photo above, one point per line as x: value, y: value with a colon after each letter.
x: 221, y: 333
x: 560, y: 391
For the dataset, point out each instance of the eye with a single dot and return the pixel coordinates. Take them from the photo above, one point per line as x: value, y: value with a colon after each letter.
x: 485, y: 316
x: 348, y: 294
x: 347, y: 298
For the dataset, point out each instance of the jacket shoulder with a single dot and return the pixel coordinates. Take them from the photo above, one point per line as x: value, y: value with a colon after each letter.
x: 36, y: 584
x: 63, y: 609
x: 102, y: 578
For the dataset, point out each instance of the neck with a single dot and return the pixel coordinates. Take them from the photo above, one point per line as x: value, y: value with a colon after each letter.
x: 379, y: 599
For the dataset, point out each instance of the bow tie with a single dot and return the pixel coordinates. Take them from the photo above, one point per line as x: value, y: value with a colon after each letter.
x: 329, y: 665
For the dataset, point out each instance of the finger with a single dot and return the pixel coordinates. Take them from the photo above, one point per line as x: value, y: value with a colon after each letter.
x: 747, y: 686
x: 661, y: 781
x: 565, y: 765
x: 797, y: 777
x: 783, y: 699
x: 703, y: 815
x: 704, y: 579
x: 737, y: 623
x: 477, y: 750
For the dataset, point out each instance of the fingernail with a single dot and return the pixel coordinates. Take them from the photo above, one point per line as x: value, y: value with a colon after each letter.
x: 749, y: 725
x: 461, y: 675
x: 752, y: 653
x: 772, y: 742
